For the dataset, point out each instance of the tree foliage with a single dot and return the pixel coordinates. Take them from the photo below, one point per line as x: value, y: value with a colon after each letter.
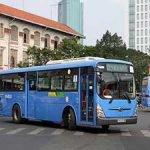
x: 110, y: 41
x: 69, y: 48
x: 39, y: 56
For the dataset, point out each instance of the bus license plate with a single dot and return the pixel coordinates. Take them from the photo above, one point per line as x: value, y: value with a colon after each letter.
x: 121, y: 120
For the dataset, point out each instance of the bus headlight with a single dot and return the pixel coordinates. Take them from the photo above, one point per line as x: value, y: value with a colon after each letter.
x: 99, y: 111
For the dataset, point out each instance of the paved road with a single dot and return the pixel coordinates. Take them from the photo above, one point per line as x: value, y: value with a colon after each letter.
x: 44, y: 136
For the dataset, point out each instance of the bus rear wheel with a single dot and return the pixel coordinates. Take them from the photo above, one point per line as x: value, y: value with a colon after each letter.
x: 16, y: 114
x: 71, y: 120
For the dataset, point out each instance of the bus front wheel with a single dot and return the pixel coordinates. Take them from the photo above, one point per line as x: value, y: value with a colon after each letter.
x: 16, y: 114
x: 71, y: 120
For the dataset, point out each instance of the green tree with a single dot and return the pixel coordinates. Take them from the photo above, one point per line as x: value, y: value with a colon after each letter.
x: 110, y: 41
x: 23, y: 64
x: 37, y: 57
x: 69, y: 48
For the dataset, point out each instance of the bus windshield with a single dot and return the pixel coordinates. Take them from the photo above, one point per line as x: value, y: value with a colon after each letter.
x: 115, y: 85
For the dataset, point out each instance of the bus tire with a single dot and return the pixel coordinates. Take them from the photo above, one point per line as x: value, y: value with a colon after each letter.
x: 105, y: 128
x: 16, y: 114
x: 71, y: 120
x: 65, y: 120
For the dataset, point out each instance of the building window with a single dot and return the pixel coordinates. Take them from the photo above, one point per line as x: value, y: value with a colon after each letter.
x: 12, y: 62
x: 1, y: 30
x: 137, y: 16
x: 146, y: 32
x: 141, y: 15
x: 146, y: 16
x: 137, y: 8
x: 47, y: 41
x: 141, y: 24
x: 146, y: 40
x: 13, y: 58
x: 145, y: 7
x: 137, y: 32
x: 137, y: 40
x: 141, y: 7
x: 141, y: 32
x: 56, y: 42
x: 142, y: 48
x: 26, y: 36
x: 146, y: 48
x: 37, y: 38
x: 137, y: 24
x: 141, y: 40
x: 146, y: 23
x: 25, y: 57
x: 14, y: 33
x: 1, y: 57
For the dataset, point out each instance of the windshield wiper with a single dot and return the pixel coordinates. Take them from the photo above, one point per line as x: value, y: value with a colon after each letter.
x: 125, y: 95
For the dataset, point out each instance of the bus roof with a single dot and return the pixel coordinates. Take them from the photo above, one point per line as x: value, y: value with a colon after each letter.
x: 67, y: 63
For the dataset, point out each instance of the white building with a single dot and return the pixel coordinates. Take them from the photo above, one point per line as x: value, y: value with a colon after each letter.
x: 20, y: 29
x: 139, y: 25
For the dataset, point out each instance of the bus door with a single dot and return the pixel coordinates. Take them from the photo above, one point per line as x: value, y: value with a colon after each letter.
x: 87, y: 95
x: 31, y: 94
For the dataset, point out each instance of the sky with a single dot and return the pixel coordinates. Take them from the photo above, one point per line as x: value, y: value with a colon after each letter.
x: 99, y: 15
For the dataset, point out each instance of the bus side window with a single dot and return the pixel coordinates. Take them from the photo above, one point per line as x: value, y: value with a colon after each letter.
x: 32, y: 77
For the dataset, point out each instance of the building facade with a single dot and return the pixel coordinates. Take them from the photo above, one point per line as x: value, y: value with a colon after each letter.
x: 70, y: 12
x: 20, y: 29
x: 139, y: 25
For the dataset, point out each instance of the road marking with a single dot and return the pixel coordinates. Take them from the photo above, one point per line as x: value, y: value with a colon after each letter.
x: 125, y: 132
x: 146, y: 133
x: 57, y: 132
x: 36, y: 131
x: 78, y: 133
x: 102, y: 134
x: 15, y: 131
x: 2, y: 129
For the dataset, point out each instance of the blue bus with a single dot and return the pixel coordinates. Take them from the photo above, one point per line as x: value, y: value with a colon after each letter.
x: 91, y: 91
x: 145, y: 95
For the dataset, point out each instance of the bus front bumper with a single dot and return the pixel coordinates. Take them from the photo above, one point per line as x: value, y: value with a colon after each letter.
x: 116, y: 121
